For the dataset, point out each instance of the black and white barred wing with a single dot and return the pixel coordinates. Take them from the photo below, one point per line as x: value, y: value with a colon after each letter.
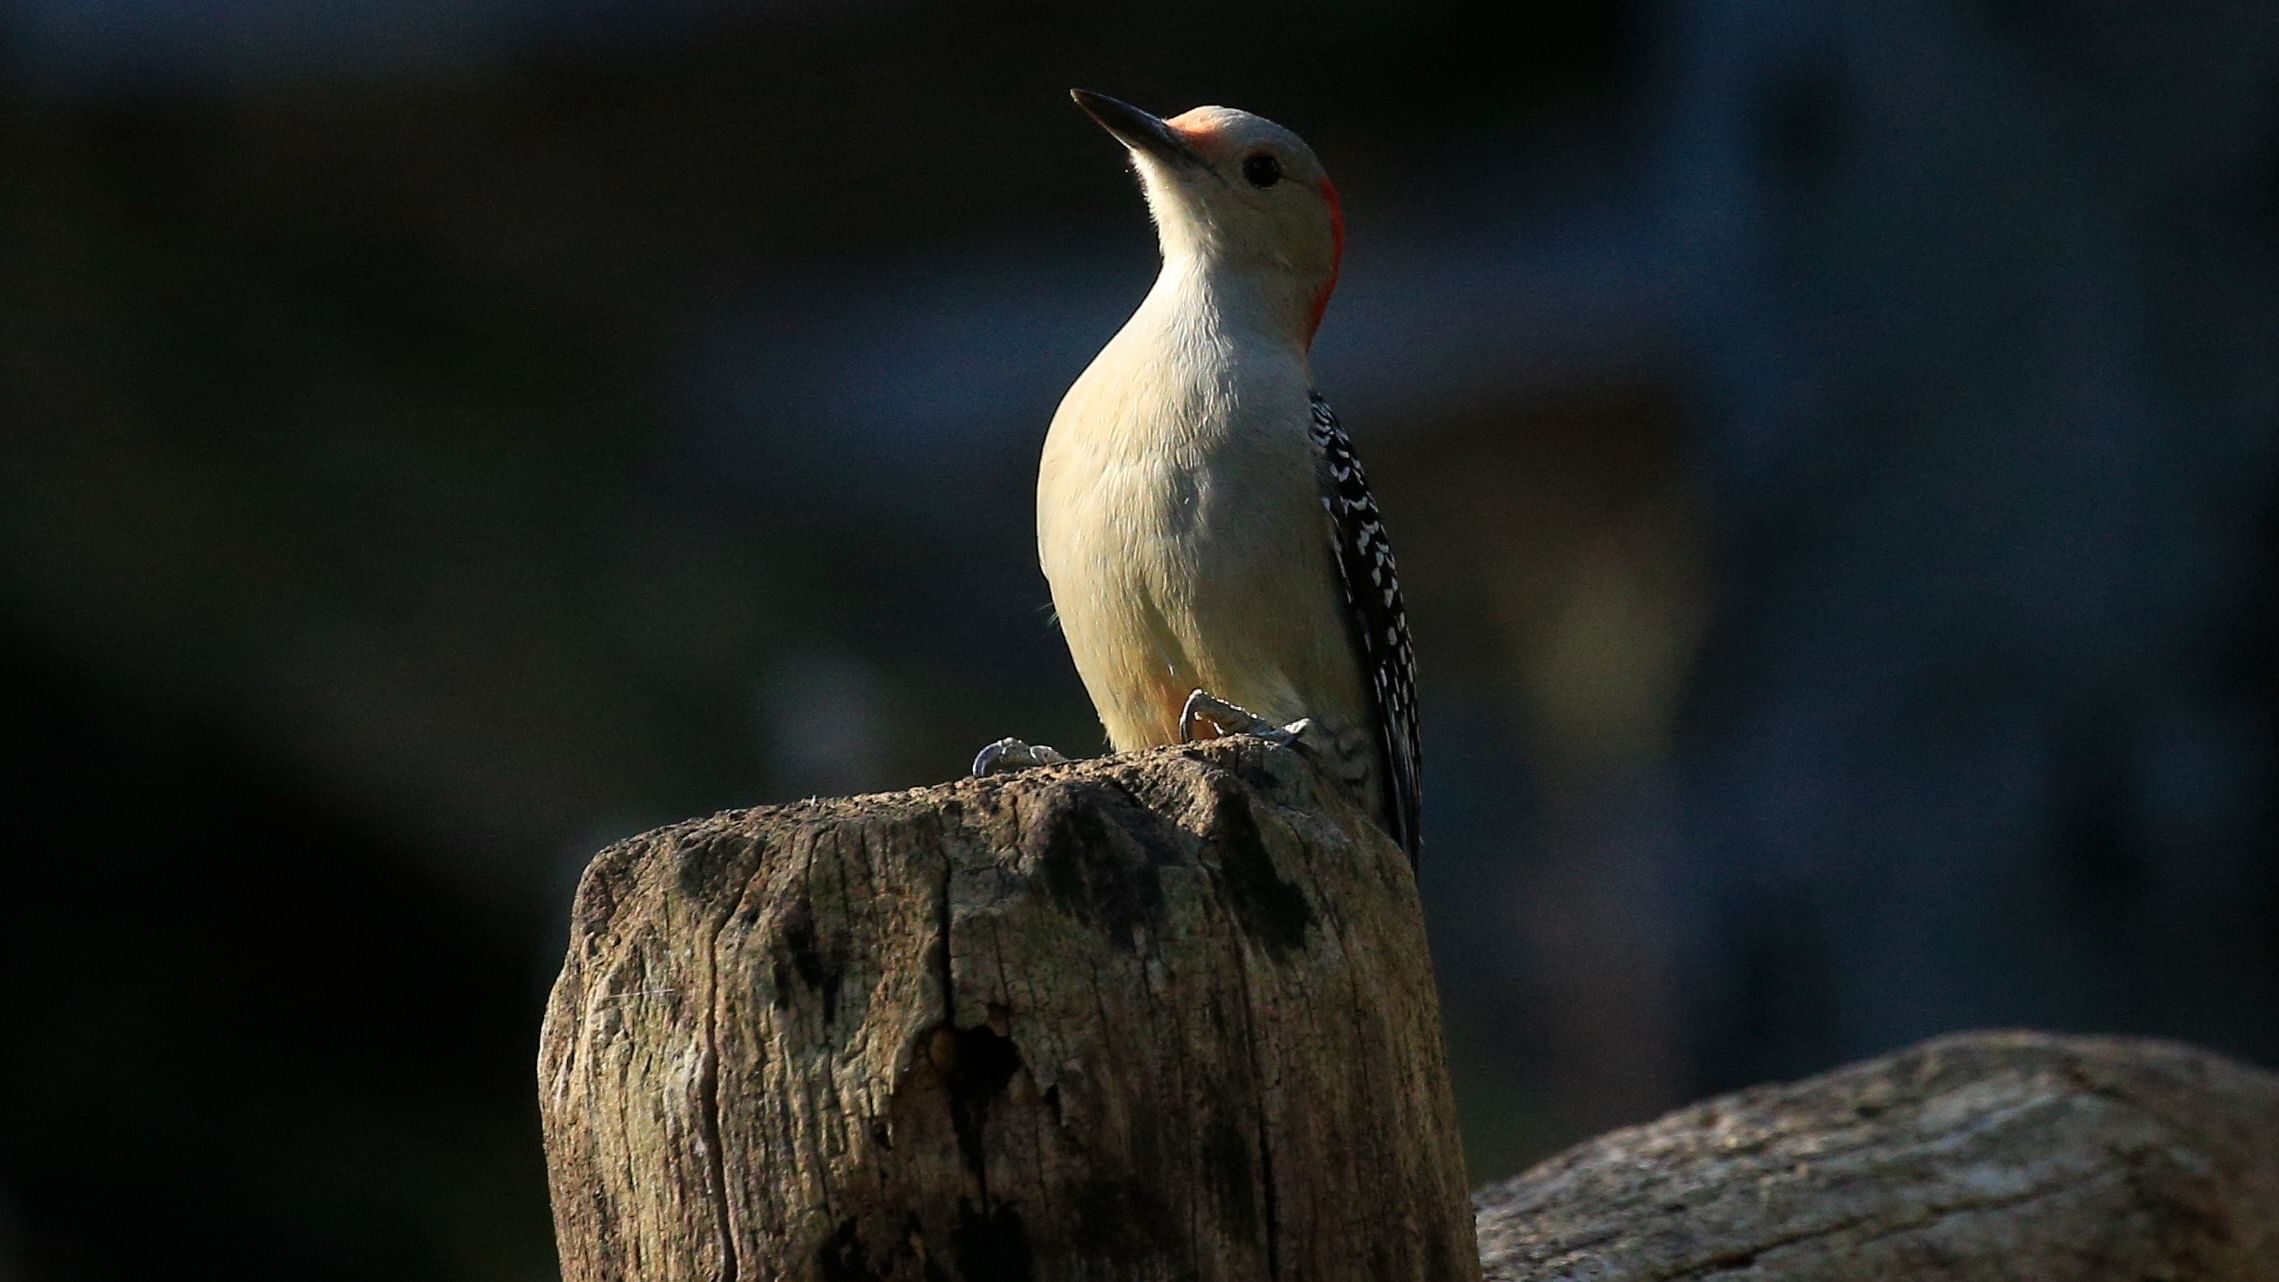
x: 1380, y: 625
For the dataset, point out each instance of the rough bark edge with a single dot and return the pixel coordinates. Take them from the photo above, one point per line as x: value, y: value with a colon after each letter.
x: 634, y: 893
x: 1974, y: 1156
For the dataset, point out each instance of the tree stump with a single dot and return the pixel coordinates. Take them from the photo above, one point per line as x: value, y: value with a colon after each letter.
x: 1987, y: 1157
x: 1159, y: 1016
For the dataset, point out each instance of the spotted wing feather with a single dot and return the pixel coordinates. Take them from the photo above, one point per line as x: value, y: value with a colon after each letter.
x: 1380, y: 625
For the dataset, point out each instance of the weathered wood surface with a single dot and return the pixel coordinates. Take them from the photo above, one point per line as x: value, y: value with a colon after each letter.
x: 1989, y: 1157
x: 1163, y: 1016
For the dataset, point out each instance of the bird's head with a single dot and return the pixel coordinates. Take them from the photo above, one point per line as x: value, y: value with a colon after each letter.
x: 1239, y: 196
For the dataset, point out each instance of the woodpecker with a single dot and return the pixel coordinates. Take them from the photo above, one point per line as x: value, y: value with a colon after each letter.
x: 1215, y: 555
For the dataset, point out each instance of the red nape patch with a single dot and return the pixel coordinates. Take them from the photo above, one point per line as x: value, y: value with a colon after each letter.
x: 1328, y: 190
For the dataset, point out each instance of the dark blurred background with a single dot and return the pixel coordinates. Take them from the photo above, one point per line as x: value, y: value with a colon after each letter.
x: 1834, y: 457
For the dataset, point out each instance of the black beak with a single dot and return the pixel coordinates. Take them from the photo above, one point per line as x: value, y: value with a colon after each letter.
x: 1135, y: 128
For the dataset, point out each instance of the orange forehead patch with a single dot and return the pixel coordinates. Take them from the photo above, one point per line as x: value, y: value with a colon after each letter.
x: 1196, y: 121
x: 1201, y: 127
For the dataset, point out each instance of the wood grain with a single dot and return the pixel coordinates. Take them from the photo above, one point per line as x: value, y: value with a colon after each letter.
x: 1164, y: 1015
x: 1985, y: 1157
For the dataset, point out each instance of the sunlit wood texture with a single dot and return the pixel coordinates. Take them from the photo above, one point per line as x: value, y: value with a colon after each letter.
x: 1986, y: 1157
x: 1161, y: 1016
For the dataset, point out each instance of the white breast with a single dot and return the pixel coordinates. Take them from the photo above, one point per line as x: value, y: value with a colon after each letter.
x: 1179, y: 523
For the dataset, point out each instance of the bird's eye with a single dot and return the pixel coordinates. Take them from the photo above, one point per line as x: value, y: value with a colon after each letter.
x: 1262, y: 170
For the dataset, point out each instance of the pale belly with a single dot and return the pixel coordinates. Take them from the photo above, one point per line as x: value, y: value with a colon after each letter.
x: 1165, y: 585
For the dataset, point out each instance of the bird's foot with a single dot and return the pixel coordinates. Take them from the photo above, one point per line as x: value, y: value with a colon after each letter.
x: 1012, y: 754
x: 1227, y: 718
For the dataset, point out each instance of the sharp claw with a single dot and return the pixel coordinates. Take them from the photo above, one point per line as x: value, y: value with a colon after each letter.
x: 1227, y: 718
x: 985, y: 761
x: 1012, y: 754
x: 1187, y: 714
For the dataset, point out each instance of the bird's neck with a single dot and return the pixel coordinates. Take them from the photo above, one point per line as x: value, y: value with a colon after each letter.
x: 1234, y: 304
x: 1198, y: 364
